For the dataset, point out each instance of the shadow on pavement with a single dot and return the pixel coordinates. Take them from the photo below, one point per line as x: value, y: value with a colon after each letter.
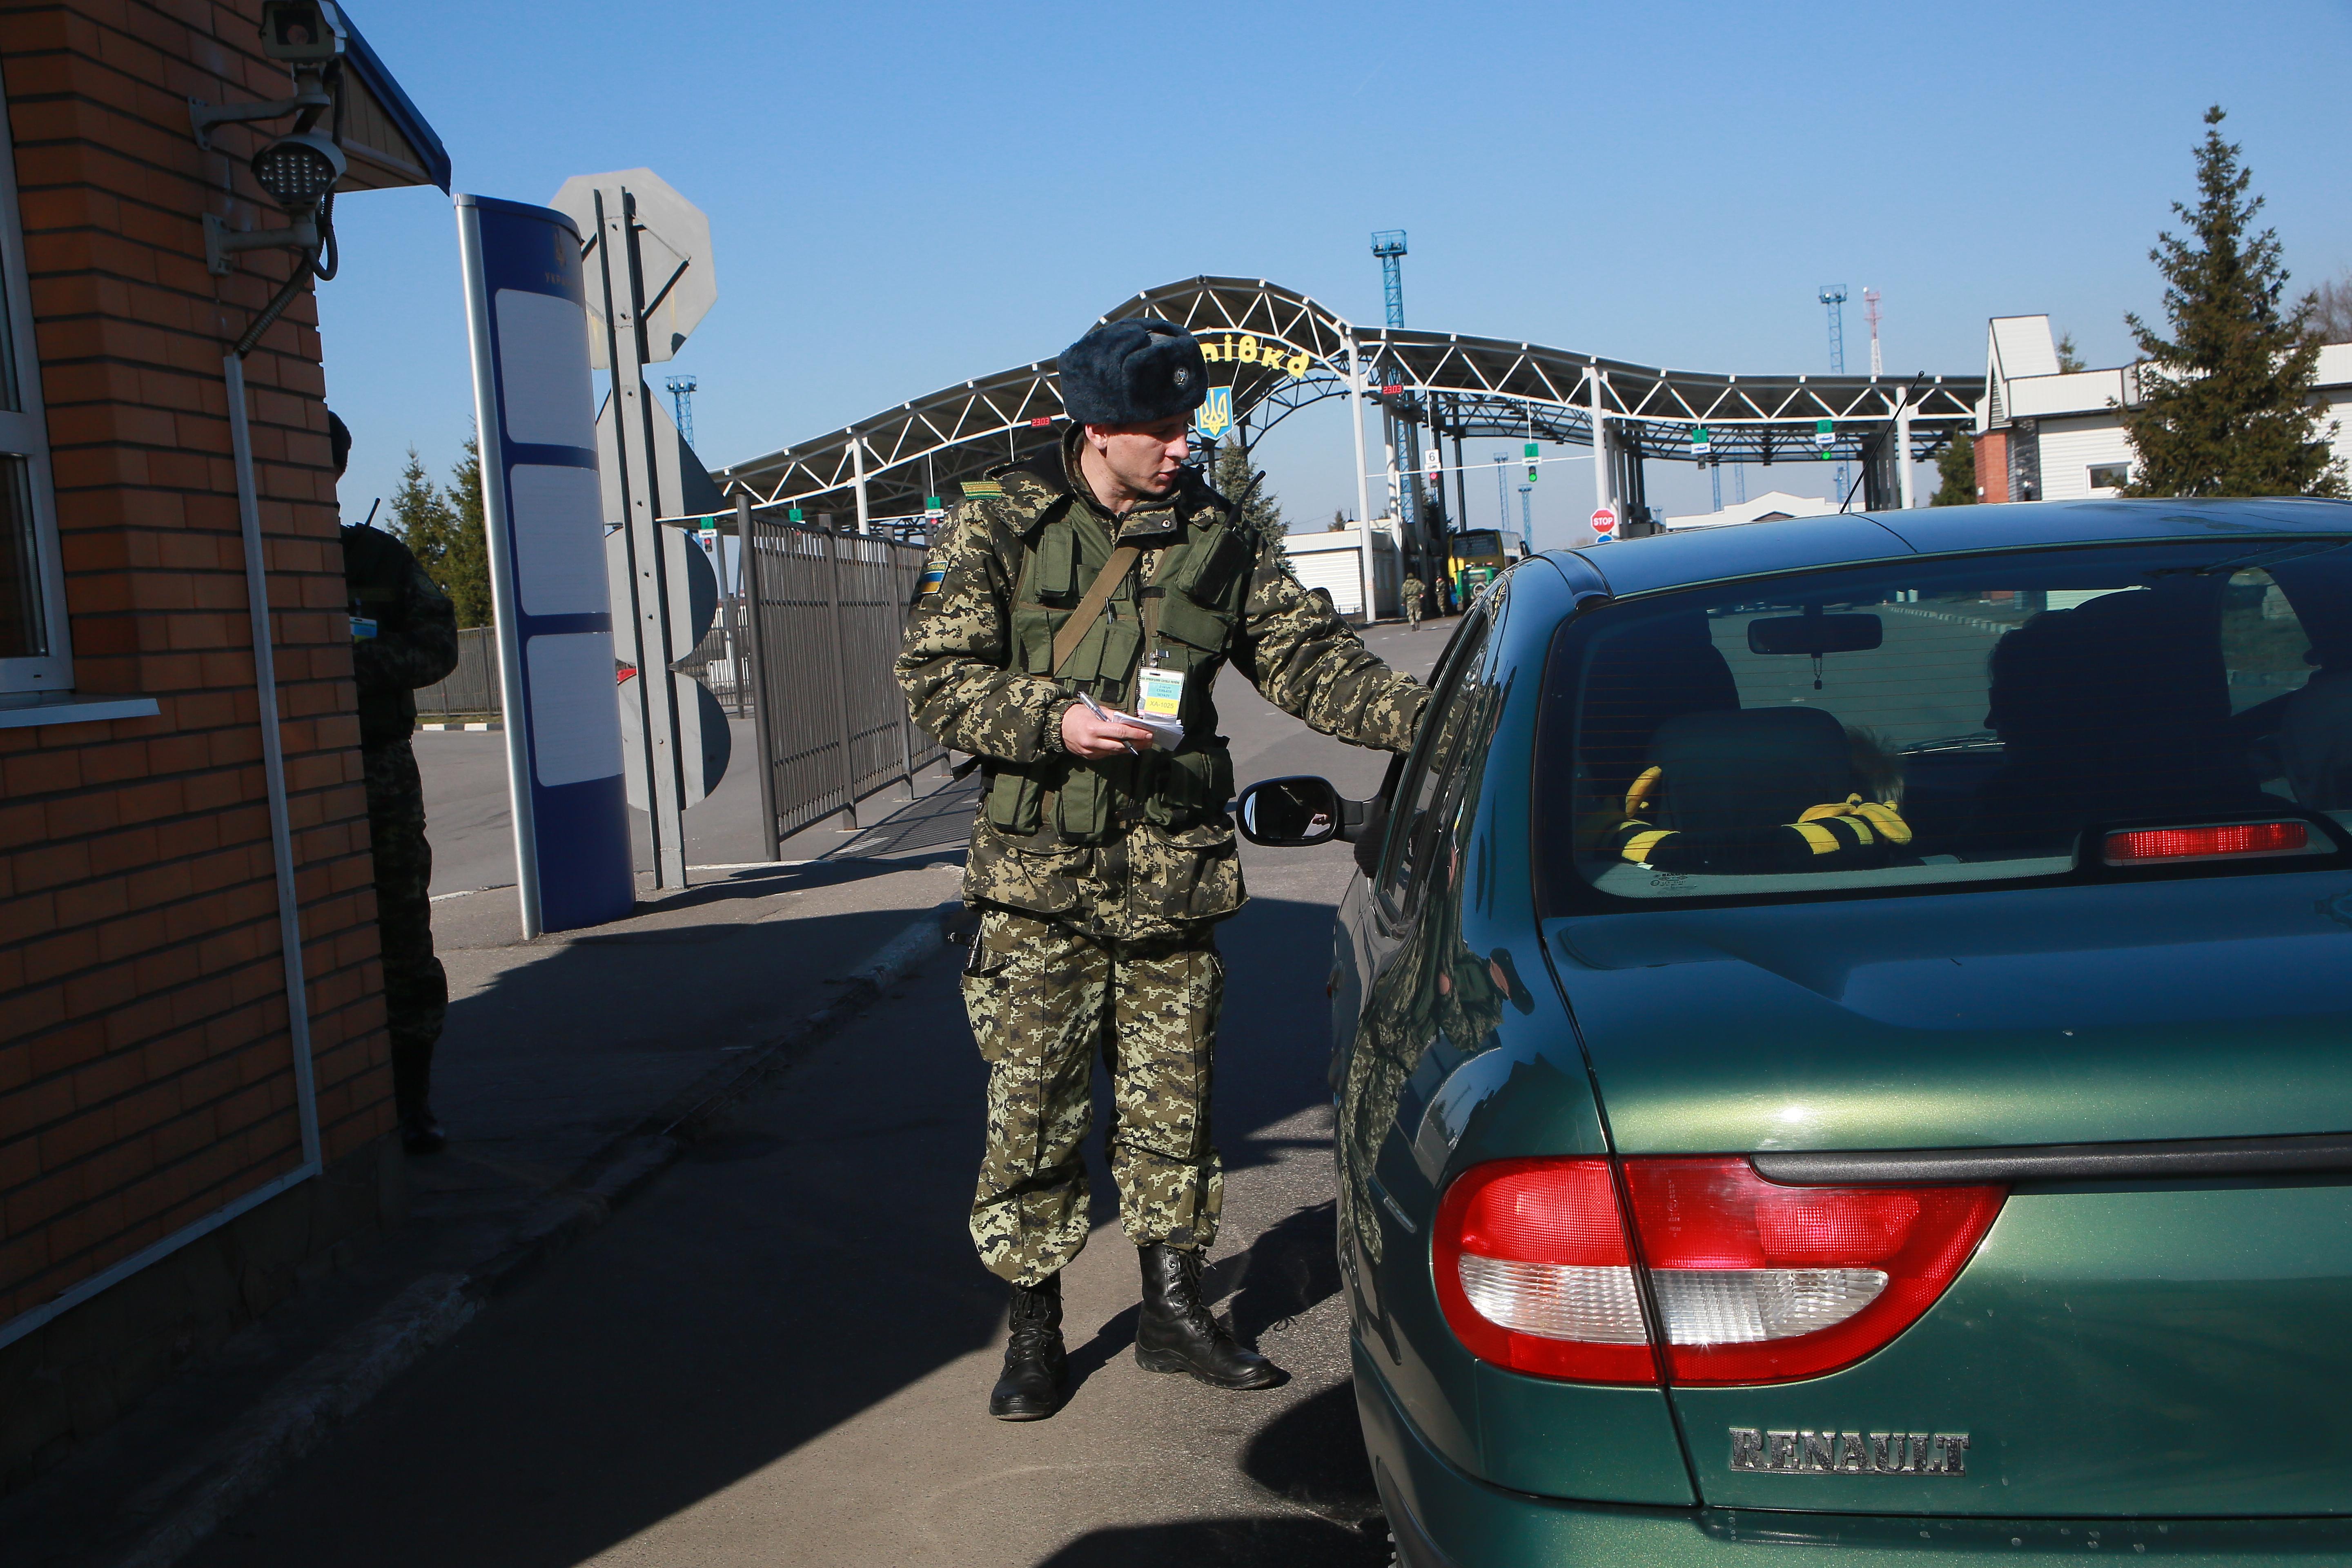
x: 806, y: 1263
x: 707, y: 888
x: 1313, y: 1453
x: 1229, y: 1542
x: 555, y: 1054
x: 1289, y: 1269
x: 1114, y: 1338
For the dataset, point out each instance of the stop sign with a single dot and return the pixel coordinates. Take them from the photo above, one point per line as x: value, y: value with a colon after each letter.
x: 1603, y: 519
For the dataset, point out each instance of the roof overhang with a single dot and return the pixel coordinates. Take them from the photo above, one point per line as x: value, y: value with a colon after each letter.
x: 388, y: 143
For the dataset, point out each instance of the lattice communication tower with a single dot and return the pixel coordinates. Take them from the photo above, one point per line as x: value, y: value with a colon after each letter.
x: 1389, y: 246
x: 1834, y: 296
x: 1403, y: 434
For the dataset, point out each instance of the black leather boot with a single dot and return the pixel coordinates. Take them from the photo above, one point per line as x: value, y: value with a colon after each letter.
x: 1036, y: 1373
x: 420, y: 1134
x: 1177, y: 1333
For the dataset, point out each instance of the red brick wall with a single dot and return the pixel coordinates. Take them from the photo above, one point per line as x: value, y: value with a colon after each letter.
x: 1992, y: 466
x: 145, y: 1063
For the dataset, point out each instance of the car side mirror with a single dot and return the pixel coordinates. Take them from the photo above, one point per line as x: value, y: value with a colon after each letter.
x: 1296, y: 813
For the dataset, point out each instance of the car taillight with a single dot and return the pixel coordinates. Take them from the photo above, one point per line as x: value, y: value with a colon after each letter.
x: 1533, y: 1274
x: 2241, y: 840
x: 1753, y: 1282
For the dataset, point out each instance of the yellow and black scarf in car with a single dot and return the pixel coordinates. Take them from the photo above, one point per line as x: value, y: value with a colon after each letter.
x: 1836, y: 836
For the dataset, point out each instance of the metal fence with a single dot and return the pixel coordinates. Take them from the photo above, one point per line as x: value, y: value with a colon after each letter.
x: 473, y: 686
x: 721, y: 660
x: 812, y: 667
x: 827, y: 610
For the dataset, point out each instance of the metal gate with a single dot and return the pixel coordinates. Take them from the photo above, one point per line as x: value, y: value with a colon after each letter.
x: 471, y: 688
x: 827, y: 611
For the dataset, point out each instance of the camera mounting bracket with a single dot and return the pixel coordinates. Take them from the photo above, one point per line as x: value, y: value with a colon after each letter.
x: 309, y: 92
x: 222, y: 245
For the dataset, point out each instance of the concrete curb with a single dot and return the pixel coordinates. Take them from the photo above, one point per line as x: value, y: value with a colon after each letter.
x: 188, y: 1503
x: 294, y: 1418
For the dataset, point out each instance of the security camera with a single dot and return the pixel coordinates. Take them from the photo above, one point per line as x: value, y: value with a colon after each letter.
x: 301, y: 32
x: 297, y: 171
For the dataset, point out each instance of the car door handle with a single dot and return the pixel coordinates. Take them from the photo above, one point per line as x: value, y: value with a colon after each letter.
x: 2176, y: 1160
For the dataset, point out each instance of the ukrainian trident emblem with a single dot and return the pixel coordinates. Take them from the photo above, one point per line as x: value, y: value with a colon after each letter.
x: 1216, y: 415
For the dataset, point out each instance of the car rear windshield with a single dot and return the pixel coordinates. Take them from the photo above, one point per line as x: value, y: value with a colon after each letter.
x: 2028, y: 714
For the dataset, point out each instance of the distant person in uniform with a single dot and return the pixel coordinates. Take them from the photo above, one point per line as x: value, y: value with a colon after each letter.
x: 1413, y: 590
x: 404, y: 636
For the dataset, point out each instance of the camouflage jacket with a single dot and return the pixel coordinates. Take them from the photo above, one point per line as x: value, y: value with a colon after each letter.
x: 415, y: 641
x: 1129, y: 848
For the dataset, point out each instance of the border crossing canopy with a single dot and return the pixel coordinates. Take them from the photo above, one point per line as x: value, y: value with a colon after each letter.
x: 1279, y: 351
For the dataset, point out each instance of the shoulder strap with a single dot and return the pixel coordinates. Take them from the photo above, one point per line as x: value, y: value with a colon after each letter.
x: 1082, y: 619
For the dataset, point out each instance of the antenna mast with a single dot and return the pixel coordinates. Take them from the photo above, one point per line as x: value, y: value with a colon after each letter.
x: 1401, y: 414
x: 1834, y: 296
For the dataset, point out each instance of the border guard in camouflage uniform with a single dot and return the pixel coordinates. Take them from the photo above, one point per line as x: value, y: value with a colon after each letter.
x: 1100, y: 862
x: 404, y: 636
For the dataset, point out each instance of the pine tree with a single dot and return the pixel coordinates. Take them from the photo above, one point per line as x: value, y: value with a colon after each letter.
x: 1231, y: 480
x: 421, y: 519
x: 2070, y: 362
x: 2225, y: 404
x: 1956, y: 469
x: 466, y: 575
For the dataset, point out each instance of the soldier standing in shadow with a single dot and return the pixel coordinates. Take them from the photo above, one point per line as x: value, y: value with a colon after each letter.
x: 404, y: 636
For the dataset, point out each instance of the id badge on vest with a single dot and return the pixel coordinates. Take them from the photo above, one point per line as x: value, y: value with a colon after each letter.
x: 1159, y: 692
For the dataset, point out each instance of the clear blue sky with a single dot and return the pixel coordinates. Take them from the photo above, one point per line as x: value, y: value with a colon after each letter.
x: 906, y: 195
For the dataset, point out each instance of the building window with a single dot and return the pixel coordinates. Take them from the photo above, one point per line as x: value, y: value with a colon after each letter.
x: 35, y: 656
x: 2110, y: 476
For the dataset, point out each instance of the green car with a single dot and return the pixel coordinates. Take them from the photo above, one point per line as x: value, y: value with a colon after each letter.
x: 1844, y: 1041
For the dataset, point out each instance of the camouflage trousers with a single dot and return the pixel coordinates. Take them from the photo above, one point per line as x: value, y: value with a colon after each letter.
x: 415, y: 989
x: 1044, y: 1000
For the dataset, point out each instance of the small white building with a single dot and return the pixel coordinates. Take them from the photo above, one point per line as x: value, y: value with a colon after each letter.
x: 2044, y: 434
x: 1770, y: 506
x: 1333, y: 559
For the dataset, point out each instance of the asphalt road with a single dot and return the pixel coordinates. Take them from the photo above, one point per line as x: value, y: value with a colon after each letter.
x: 782, y: 1352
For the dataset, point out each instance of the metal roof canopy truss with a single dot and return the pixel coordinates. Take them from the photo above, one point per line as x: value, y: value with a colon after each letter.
x: 1476, y: 387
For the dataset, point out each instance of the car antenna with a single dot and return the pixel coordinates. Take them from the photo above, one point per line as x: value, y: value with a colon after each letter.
x: 1889, y: 433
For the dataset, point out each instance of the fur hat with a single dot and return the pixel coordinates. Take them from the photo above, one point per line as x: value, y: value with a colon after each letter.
x: 1133, y: 372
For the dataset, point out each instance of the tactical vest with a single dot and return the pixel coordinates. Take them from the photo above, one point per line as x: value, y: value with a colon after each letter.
x: 375, y: 579
x: 1197, y: 587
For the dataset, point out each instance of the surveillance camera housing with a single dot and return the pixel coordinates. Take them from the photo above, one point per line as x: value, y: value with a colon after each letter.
x: 297, y: 171
x: 301, y: 32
